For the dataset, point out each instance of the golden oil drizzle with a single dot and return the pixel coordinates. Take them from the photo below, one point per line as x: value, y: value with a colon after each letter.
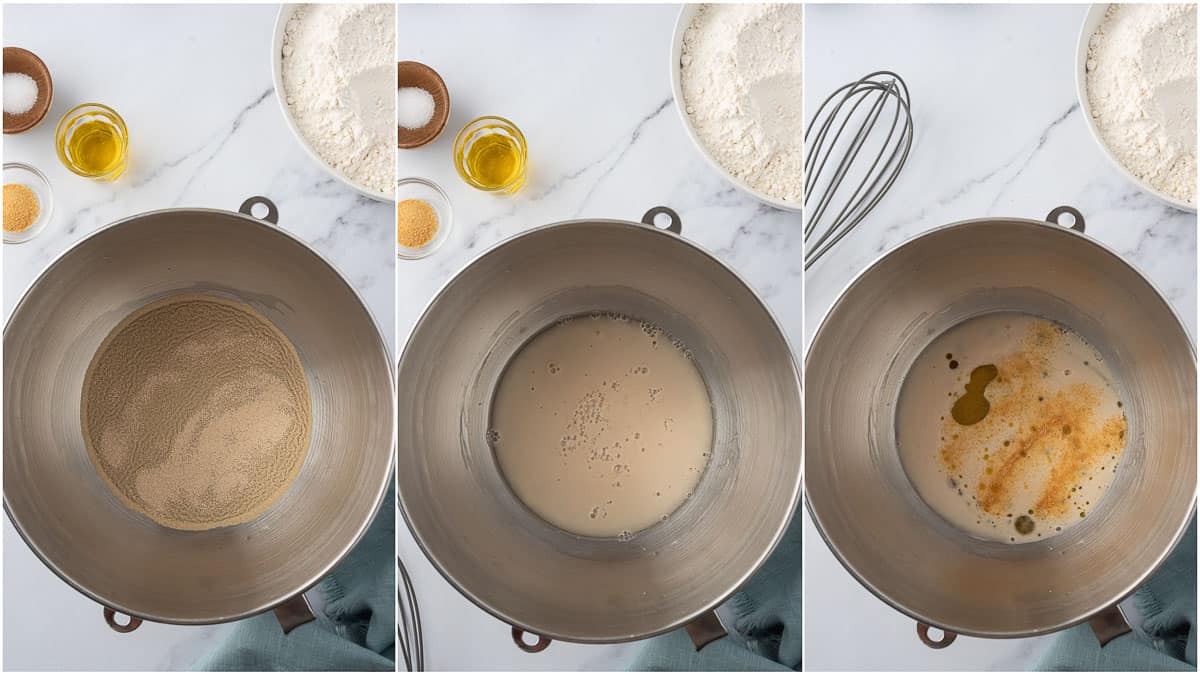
x: 973, y: 406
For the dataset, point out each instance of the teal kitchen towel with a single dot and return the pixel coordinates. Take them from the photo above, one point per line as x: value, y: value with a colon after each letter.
x: 767, y: 631
x: 1165, y: 638
x: 356, y: 631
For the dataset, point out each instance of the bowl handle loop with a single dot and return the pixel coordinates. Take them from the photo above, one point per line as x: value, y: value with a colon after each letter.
x: 110, y: 618
x: 272, y: 216
x: 705, y: 629
x: 294, y: 612
x: 676, y: 224
x: 1109, y: 625
x: 518, y: 636
x: 948, y: 637
x: 1059, y: 211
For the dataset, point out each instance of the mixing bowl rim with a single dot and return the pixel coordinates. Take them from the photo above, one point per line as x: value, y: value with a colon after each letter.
x: 793, y: 500
x: 380, y: 493
x: 1047, y: 630
x: 1120, y: 595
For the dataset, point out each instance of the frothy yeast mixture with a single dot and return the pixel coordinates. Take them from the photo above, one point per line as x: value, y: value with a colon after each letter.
x: 1010, y: 427
x: 196, y: 412
x: 602, y: 425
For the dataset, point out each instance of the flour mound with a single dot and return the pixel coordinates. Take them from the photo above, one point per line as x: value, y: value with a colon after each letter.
x: 339, y: 82
x: 741, y: 79
x: 1141, y: 84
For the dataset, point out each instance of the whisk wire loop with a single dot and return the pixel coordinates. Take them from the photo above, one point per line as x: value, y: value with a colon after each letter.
x: 848, y: 124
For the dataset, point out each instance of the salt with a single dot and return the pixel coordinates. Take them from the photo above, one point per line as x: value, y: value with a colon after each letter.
x: 414, y: 107
x: 20, y: 93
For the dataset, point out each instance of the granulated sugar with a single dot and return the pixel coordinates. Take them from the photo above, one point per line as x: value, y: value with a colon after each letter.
x: 196, y: 412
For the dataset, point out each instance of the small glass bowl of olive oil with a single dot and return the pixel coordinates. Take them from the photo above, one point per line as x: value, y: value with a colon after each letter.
x: 490, y: 154
x: 93, y: 142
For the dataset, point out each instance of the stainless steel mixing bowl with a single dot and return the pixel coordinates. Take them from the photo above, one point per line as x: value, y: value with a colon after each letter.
x: 861, y: 499
x: 515, y: 565
x: 77, y: 526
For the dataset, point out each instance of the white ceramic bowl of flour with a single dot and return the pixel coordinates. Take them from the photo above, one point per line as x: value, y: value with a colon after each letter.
x: 1092, y: 20
x: 277, y: 42
x: 686, y: 15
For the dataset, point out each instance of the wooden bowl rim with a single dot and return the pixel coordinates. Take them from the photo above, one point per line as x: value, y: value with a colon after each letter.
x: 441, y: 114
x: 34, y: 116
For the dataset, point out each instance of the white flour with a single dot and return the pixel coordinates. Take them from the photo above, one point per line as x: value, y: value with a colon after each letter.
x: 741, y: 84
x: 1141, y: 82
x: 339, y: 81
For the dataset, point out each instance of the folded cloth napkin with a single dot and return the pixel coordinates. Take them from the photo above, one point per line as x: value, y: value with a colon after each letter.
x: 356, y: 630
x: 1165, y: 638
x: 766, y: 633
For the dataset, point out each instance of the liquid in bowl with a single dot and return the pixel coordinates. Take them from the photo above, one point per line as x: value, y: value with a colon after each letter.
x: 602, y: 425
x: 1010, y: 426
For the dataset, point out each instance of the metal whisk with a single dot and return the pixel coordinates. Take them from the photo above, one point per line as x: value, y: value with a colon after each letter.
x: 871, y: 117
x: 408, y: 628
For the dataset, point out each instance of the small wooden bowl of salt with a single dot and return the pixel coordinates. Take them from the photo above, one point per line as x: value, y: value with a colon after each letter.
x: 28, y: 90
x: 422, y: 104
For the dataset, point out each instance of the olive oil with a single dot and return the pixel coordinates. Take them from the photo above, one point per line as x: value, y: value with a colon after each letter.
x: 494, y: 160
x: 92, y: 141
x: 973, y: 406
x: 490, y: 154
x: 94, y: 147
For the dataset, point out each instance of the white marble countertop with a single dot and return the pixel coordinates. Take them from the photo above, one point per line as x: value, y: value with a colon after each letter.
x: 194, y: 86
x: 998, y: 133
x: 589, y: 86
